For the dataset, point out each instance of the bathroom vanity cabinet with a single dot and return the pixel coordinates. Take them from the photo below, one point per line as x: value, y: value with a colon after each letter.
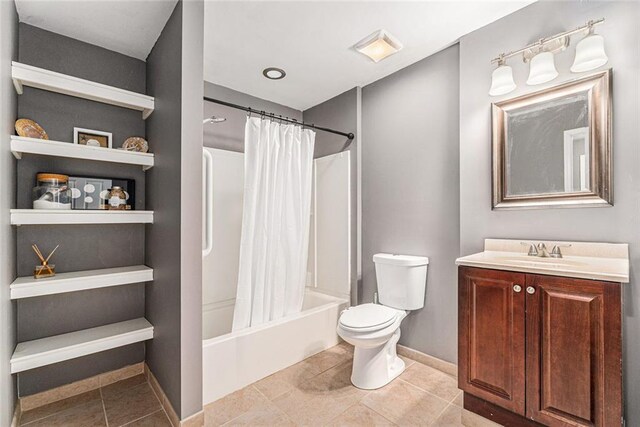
x: 539, y: 349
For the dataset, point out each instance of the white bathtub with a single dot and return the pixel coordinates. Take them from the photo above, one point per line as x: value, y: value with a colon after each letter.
x: 235, y: 360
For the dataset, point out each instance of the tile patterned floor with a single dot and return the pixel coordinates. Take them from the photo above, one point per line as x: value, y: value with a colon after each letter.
x: 130, y: 403
x: 317, y: 391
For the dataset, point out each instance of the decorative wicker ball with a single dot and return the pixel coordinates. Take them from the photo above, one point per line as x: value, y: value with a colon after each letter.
x: 136, y: 143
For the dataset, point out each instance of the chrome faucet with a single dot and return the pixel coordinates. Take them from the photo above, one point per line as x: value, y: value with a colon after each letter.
x: 533, y: 251
x: 540, y: 250
x: 556, y: 252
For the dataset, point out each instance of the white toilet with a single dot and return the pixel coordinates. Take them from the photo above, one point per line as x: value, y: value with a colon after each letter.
x: 374, y: 329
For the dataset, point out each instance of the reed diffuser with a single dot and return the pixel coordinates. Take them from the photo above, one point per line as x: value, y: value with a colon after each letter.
x: 44, y: 269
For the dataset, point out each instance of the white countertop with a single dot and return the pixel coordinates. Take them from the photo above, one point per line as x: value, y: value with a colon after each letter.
x: 595, y: 261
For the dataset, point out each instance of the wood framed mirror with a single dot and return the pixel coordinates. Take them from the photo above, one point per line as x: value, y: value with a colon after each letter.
x: 552, y: 148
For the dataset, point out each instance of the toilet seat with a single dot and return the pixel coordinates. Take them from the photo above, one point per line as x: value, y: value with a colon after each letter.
x: 368, y: 317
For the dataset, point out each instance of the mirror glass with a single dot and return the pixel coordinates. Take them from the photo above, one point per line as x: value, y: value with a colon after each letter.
x: 547, y: 147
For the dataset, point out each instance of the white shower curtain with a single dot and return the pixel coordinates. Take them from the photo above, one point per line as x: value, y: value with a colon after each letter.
x: 275, y: 223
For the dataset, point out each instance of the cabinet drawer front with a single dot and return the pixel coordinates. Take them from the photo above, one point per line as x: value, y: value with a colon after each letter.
x: 491, y: 336
x: 572, y: 343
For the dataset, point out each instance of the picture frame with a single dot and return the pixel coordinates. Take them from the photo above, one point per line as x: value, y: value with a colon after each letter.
x: 91, y: 193
x: 84, y: 136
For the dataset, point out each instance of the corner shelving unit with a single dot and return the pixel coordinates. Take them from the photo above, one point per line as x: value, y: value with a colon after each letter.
x: 58, y: 348
x: 29, y: 287
x: 46, y: 351
x: 21, y: 145
x: 39, y: 78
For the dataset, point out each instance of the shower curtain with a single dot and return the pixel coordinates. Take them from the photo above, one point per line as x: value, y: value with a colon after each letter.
x: 275, y: 224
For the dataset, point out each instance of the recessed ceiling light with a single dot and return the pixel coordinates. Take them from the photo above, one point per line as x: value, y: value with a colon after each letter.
x: 274, y: 73
x: 378, y: 45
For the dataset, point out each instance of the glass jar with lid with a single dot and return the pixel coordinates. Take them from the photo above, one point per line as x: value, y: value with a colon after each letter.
x: 51, y: 192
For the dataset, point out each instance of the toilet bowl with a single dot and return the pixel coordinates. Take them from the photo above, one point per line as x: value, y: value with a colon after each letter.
x: 374, y: 331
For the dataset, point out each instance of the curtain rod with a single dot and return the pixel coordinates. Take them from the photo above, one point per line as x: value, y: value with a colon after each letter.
x: 273, y: 116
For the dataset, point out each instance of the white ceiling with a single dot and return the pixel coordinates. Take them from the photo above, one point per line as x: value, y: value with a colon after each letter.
x: 312, y: 40
x: 130, y: 27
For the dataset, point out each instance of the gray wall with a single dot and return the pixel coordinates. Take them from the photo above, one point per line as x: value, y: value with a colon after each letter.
x: 229, y: 135
x: 410, y: 189
x: 81, y: 247
x: 8, y: 109
x: 173, y: 244
x: 162, y: 296
x: 613, y: 224
x: 340, y: 113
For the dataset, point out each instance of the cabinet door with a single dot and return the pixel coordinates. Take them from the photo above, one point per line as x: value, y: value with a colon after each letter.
x: 491, y: 354
x: 573, y: 352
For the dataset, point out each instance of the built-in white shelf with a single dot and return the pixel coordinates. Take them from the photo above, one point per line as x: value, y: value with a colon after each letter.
x: 46, y: 216
x: 21, y: 145
x: 28, y: 287
x: 27, y: 75
x: 46, y: 351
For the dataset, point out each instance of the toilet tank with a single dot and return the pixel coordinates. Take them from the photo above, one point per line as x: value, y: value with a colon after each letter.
x: 402, y: 280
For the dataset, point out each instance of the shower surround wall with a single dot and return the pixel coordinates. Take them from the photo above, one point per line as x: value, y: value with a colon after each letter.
x: 8, y: 109
x: 82, y: 247
x: 341, y: 113
x: 611, y: 224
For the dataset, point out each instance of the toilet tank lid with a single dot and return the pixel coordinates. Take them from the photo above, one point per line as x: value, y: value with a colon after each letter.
x: 406, y: 260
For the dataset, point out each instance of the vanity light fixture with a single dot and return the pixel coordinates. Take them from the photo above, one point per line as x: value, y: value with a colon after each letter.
x: 502, y: 80
x: 378, y: 45
x: 540, y: 56
x: 590, y: 53
x: 542, y: 69
x: 273, y: 73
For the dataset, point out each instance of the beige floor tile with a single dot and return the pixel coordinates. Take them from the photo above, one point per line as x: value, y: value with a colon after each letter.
x: 331, y: 357
x: 322, y: 398
x: 405, y: 404
x: 88, y: 414
x: 459, y: 400
x: 359, y: 415
x: 233, y: 405
x: 287, y: 379
x: 454, y: 416
x: 431, y: 380
x: 263, y: 415
x: 407, y: 362
x: 113, y: 390
x: 439, y: 364
x: 130, y: 404
x: 59, y: 406
x: 157, y: 419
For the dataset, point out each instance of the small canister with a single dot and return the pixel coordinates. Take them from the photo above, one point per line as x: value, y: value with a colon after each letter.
x: 51, y: 192
x: 117, y: 198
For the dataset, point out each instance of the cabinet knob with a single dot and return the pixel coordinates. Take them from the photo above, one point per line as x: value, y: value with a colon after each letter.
x: 531, y: 290
x: 517, y: 288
